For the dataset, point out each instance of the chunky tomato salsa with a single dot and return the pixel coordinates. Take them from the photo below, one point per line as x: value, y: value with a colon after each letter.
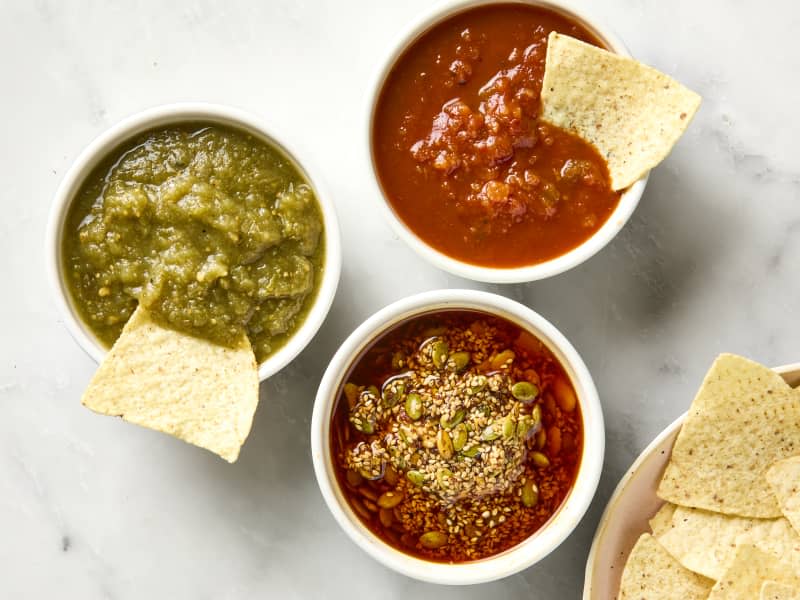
x: 461, y: 154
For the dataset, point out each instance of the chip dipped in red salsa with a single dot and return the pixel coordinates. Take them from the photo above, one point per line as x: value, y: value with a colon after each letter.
x: 460, y: 151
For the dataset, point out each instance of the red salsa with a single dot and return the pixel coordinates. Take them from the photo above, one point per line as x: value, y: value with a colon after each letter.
x: 461, y: 154
x: 456, y: 436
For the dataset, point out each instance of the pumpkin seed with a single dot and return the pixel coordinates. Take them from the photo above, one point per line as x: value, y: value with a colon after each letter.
x: 500, y: 360
x: 524, y: 391
x: 458, y: 361
x: 492, y: 432
x: 414, y: 406
x: 536, y: 414
x: 372, y: 476
x: 439, y: 352
x: 386, y: 517
x: 390, y: 499
x: 460, y: 436
x: 444, y: 444
x: 471, y: 452
x: 415, y: 477
x: 540, y: 460
x: 509, y: 427
x: 393, y: 392
x: 351, y: 393
x: 370, y: 506
x: 541, y: 438
x: 363, y: 424
x: 353, y: 478
x: 403, y: 434
x: 433, y: 540
x: 530, y: 493
x: 524, y: 427
x: 457, y: 417
x: 478, y: 383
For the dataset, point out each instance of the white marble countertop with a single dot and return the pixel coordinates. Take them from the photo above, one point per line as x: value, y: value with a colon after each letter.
x: 91, y: 507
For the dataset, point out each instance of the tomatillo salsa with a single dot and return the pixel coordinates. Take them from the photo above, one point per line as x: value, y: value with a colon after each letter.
x: 211, y: 229
x: 461, y: 154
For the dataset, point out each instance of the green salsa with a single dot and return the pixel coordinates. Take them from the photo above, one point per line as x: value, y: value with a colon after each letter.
x: 211, y: 229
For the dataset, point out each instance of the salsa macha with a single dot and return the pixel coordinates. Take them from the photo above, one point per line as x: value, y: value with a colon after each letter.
x: 460, y: 151
x: 456, y: 436
x: 213, y: 230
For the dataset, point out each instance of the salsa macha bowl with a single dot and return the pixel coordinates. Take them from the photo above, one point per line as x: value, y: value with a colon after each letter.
x: 380, y: 480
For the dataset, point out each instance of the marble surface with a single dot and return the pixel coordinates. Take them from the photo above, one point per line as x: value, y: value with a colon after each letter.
x: 93, y: 508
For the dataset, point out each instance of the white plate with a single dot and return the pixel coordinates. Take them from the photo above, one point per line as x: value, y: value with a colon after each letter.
x: 631, y: 506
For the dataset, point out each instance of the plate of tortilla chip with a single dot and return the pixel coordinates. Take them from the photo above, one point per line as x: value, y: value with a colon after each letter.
x: 711, y: 508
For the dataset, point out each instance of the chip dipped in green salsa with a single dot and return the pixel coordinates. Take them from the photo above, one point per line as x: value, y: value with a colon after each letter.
x: 212, y: 230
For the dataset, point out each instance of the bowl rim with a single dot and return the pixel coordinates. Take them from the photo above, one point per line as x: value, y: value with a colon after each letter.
x: 628, y: 201
x: 534, y: 548
x: 174, y: 113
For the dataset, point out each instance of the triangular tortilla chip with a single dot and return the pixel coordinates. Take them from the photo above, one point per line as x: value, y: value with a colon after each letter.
x: 747, y: 573
x: 776, y: 537
x: 772, y: 590
x: 703, y: 541
x: 632, y: 113
x: 784, y: 477
x: 652, y: 574
x: 662, y: 520
x: 159, y: 378
x: 743, y: 419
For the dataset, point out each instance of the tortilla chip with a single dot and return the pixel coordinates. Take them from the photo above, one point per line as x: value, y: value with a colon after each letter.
x: 199, y: 392
x: 776, y: 537
x: 652, y: 574
x: 632, y: 113
x: 743, y: 419
x: 772, y: 590
x: 747, y: 573
x: 662, y: 520
x: 703, y: 541
x: 784, y: 477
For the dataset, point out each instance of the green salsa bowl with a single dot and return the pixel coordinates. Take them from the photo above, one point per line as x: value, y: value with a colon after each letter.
x: 74, y: 288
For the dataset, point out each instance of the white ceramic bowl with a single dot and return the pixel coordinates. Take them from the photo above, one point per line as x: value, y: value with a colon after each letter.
x: 541, y: 543
x: 172, y: 114
x: 631, y: 506
x: 627, y: 203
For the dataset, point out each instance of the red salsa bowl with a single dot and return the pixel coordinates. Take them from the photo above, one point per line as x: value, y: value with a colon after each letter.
x: 467, y: 172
